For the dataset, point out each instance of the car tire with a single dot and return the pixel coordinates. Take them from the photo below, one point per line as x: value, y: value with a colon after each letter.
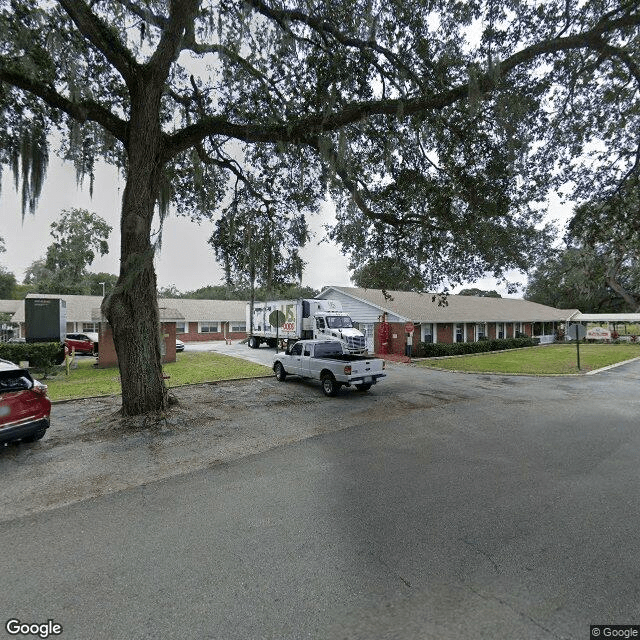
x: 329, y: 385
x: 363, y: 387
x: 281, y: 374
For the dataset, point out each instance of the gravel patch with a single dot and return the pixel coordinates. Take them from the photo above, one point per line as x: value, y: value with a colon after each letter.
x: 91, y: 451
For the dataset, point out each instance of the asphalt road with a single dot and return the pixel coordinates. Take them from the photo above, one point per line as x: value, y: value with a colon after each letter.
x: 449, y: 506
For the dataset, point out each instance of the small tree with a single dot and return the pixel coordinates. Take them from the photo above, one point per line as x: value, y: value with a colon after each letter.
x: 77, y: 237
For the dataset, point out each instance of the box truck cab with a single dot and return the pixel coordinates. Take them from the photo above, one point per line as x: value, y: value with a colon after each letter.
x: 287, y: 321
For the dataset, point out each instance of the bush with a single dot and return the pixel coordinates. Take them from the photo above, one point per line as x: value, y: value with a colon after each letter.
x: 42, y: 356
x: 439, y: 349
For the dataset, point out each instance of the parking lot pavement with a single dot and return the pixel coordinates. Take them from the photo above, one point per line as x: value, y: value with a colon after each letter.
x: 237, y: 349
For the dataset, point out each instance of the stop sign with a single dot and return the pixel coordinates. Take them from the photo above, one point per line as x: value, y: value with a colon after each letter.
x: 409, y: 327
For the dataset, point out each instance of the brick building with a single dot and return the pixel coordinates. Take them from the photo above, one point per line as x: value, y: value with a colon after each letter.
x: 196, y: 319
x: 461, y: 319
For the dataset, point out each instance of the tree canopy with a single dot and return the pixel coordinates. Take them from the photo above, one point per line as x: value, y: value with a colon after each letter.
x: 482, y: 293
x: 78, y: 236
x: 388, y: 274
x: 437, y: 127
x: 598, y: 270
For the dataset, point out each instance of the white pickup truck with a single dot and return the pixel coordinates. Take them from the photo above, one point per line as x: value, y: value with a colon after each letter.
x: 326, y: 360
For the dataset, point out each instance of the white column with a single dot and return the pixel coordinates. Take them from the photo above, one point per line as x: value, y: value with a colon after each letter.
x: 435, y: 332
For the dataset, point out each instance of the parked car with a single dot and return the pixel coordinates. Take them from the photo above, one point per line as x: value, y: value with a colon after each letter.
x: 82, y: 342
x: 179, y: 345
x: 24, y: 406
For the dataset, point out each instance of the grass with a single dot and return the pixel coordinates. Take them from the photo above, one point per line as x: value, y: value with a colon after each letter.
x: 552, y: 359
x: 190, y: 368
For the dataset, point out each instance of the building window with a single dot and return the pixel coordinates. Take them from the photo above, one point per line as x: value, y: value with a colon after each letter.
x: 481, y: 331
x: 181, y: 327
x: 427, y: 332
x: 93, y: 327
x: 501, y: 331
x: 208, y: 327
x: 238, y: 327
x: 459, y: 333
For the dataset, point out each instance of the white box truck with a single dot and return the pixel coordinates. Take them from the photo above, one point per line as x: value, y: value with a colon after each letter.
x: 287, y: 321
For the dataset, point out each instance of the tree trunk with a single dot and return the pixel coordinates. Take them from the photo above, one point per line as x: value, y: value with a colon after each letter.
x: 629, y: 298
x: 132, y: 308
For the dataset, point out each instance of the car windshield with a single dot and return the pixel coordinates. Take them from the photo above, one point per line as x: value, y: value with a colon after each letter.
x: 339, y: 322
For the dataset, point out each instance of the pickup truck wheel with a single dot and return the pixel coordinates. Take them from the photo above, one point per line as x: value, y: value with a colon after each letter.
x: 281, y: 374
x: 363, y: 387
x: 329, y: 385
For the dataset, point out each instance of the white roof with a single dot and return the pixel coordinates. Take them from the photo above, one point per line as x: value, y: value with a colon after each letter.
x: 606, y: 317
x: 81, y: 308
x: 10, y: 306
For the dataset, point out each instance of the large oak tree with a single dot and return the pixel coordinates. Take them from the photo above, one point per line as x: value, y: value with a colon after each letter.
x: 436, y: 125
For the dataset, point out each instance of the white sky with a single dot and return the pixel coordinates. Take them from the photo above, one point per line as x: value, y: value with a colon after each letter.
x: 186, y: 260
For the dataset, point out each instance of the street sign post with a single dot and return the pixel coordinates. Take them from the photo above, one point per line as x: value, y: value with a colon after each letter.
x: 409, y: 328
x: 577, y: 332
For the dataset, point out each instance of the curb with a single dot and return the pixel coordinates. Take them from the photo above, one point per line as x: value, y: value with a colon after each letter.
x: 534, y: 375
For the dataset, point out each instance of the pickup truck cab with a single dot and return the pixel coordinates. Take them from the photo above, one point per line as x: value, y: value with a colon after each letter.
x: 327, y: 361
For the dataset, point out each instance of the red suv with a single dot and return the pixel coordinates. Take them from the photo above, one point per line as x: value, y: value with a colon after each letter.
x: 82, y: 342
x: 24, y: 406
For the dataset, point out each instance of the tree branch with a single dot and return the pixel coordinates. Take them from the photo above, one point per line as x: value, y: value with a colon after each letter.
x: 282, y: 17
x: 80, y: 111
x: 102, y: 38
x: 309, y: 126
x: 233, y: 167
x: 145, y: 13
x: 181, y: 14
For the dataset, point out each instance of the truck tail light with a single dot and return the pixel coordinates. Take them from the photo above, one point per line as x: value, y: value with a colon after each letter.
x: 347, y: 370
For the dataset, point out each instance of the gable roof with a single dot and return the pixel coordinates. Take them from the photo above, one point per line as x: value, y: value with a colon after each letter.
x: 81, y: 308
x: 10, y: 306
x: 420, y: 307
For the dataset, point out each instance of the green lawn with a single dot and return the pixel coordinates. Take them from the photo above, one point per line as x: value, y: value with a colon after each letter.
x: 552, y: 359
x: 190, y: 368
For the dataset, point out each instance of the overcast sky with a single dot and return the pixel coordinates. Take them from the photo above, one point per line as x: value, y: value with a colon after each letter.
x: 186, y: 260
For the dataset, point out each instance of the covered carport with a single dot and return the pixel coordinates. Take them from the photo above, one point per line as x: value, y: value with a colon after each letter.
x: 625, y: 324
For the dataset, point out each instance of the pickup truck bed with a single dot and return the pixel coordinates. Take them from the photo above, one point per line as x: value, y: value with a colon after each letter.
x: 324, y: 360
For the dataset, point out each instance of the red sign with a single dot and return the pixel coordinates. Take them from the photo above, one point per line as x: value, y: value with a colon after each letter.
x: 409, y: 327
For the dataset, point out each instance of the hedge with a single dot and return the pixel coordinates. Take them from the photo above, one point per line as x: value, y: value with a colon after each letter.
x: 40, y: 355
x: 438, y: 349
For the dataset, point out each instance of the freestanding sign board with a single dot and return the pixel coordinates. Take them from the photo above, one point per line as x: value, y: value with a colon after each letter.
x: 577, y: 332
x: 45, y: 319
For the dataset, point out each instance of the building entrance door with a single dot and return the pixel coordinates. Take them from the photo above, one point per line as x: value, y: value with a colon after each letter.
x: 368, y: 330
